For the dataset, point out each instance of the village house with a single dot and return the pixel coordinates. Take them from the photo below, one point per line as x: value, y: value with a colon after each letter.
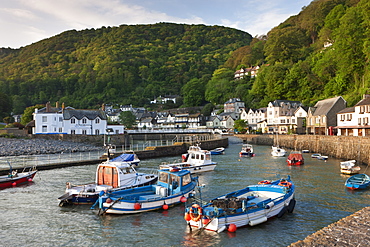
x: 213, y: 122
x: 67, y: 120
x: 300, y: 116
x: 322, y: 118
x: 280, y: 116
x: 242, y: 72
x: 354, y: 121
x: 253, y: 116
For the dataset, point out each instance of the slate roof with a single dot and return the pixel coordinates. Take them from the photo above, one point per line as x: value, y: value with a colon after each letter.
x: 277, y: 103
x: 79, y: 114
x: 324, y: 106
x: 347, y: 110
x: 364, y: 101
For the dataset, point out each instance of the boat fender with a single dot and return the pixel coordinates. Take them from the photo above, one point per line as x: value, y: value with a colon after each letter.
x: 282, y: 212
x: 269, y: 205
x: 258, y: 221
x: 291, y: 205
x: 231, y: 228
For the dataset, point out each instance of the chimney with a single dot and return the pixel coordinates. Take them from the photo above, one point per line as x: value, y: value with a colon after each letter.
x: 48, y: 108
x: 365, y: 96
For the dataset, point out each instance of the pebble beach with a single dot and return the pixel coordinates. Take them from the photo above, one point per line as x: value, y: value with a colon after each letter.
x: 15, y: 147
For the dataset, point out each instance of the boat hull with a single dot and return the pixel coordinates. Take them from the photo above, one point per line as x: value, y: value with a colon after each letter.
x: 128, y: 207
x: 242, y: 154
x: 358, y: 182
x: 21, y: 178
x: 270, y: 200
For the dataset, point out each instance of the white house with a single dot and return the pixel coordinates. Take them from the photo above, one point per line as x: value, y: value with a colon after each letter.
x: 61, y: 120
x: 354, y: 121
x: 280, y: 115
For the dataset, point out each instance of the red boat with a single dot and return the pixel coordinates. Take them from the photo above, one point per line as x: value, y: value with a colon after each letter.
x: 14, y: 178
x: 295, y: 159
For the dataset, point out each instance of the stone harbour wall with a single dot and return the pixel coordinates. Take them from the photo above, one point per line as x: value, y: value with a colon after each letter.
x: 341, y: 147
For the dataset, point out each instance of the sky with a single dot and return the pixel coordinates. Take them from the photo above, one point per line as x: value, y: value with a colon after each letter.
x: 23, y: 22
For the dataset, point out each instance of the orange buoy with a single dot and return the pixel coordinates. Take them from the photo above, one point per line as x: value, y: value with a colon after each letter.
x: 137, y: 206
x: 232, y: 228
x: 183, y: 199
x: 165, y: 206
x: 187, y: 217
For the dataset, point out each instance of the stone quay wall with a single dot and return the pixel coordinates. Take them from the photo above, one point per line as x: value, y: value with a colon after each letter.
x: 341, y: 147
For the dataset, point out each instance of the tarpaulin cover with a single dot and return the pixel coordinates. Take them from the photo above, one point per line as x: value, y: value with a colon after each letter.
x: 124, y: 157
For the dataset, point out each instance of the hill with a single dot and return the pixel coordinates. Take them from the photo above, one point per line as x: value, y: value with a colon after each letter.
x: 130, y: 64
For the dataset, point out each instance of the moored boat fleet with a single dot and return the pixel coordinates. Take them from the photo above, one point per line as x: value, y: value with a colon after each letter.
x: 119, y: 189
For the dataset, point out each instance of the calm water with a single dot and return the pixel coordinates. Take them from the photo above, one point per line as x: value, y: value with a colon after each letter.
x: 30, y: 215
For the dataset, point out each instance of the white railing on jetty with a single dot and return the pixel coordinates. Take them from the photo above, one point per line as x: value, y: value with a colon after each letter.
x: 160, y: 131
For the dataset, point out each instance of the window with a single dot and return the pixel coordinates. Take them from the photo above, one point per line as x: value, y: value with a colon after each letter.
x: 44, y: 119
x: 84, y: 120
x: 60, y: 130
x: 97, y: 132
x: 73, y: 121
x: 73, y: 132
x: 60, y: 119
x: 44, y: 128
x: 84, y: 132
x: 359, y: 121
x: 282, y: 121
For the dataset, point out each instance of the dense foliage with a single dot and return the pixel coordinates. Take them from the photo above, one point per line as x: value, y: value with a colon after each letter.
x: 322, y: 52
x: 124, y: 65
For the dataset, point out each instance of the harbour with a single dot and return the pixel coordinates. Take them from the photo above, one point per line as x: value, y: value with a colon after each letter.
x: 33, y: 209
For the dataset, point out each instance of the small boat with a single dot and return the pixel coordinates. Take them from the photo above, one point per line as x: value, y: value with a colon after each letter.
x: 15, y: 178
x: 220, y: 150
x: 247, y: 151
x: 319, y: 156
x: 349, y: 167
x: 278, y: 152
x: 196, y: 160
x: 358, y: 181
x: 110, y: 175
x: 173, y: 187
x: 249, y: 206
x: 305, y: 151
x: 295, y: 158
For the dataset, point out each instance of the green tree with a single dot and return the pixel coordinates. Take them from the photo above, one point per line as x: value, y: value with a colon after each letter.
x: 127, y: 118
x: 193, y: 92
x: 27, y: 114
x: 240, y: 125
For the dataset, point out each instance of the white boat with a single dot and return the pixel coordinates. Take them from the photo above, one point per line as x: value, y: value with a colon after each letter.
x: 247, y: 151
x: 173, y: 187
x: 110, y: 175
x: 249, y: 206
x: 278, y: 152
x: 220, y: 150
x: 349, y: 167
x: 196, y: 160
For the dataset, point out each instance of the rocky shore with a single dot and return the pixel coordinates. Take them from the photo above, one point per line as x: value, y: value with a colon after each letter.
x: 14, y: 147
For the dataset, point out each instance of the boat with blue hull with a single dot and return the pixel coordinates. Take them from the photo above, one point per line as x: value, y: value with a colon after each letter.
x: 114, y: 174
x: 249, y: 206
x: 173, y: 187
x: 217, y: 151
x: 247, y: 151
x: 358, y: 181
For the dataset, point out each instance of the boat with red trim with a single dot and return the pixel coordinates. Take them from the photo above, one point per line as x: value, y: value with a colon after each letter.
x: 295, y: 158
x: 15, y: 178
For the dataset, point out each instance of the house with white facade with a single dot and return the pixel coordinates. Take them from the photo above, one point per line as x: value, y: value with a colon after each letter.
x: 300, y: 116
x: 354, y: 121
x: 227, y: 122
x: 234, y: 105
x: 280, y: 116
x: 61, y: 120
x: 253, y: 116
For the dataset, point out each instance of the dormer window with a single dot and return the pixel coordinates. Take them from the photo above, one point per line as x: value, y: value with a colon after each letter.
x: 84, y: 120
x: 97, y: 120
x: 73, y: 120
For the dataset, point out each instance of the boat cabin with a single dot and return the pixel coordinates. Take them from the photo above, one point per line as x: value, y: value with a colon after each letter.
x: 173, y: 179
x: 109, y: 174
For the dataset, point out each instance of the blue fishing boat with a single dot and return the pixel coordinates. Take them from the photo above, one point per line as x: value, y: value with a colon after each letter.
x: 118, y: 173
x: 173, y: 187
x: 216, y: 151
x: 249, y: 206
x: 358, y: 181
